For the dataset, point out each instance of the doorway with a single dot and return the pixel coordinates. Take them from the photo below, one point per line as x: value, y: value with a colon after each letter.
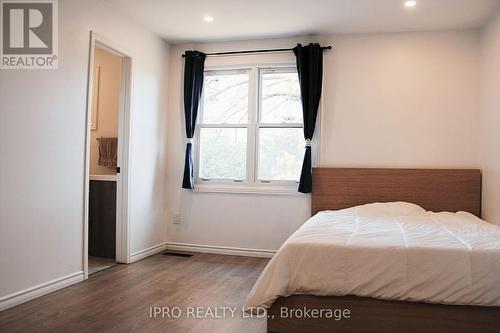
x: 106, y: 156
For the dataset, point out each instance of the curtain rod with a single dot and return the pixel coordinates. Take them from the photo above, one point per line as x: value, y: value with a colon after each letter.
x: 255, y: 51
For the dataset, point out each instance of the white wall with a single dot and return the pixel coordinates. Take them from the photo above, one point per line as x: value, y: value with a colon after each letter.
x: 42, y: 128
x: 393, y: 100
x: 402, y: 100
x: 490, y: 119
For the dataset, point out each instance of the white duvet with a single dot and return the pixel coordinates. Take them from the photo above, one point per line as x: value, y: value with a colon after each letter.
x: 394, y: 251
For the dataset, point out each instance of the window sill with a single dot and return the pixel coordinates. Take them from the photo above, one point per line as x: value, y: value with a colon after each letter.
x: 248, y: 189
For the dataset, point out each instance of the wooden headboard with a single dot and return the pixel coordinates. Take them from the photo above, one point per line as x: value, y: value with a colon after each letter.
x: 434, y: 189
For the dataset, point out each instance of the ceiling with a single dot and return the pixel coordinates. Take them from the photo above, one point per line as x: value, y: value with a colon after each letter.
x: 182, y: 20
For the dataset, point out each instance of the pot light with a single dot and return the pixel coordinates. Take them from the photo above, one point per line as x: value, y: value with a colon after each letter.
x: 410, y: 3
x: 208, y: 18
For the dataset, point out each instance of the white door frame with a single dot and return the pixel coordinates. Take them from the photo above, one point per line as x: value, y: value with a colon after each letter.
x: 124, y: 125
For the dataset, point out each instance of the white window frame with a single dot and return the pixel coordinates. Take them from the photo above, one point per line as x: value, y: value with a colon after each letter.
x: 251, y: 184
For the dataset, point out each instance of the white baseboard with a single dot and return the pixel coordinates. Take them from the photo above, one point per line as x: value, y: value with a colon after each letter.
x: 147, y: 252
x: 39, y: 290
x: 234, y: 251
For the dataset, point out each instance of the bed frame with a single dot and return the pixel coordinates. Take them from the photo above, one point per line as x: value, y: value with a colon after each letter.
x: 434, y: 189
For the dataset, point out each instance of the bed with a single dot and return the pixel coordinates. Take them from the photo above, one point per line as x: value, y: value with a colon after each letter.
x: 374, y: 247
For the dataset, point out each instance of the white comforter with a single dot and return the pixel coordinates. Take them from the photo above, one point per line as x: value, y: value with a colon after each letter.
x: 394, y: 251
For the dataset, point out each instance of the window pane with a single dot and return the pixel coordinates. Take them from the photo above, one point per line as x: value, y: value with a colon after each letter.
x: 281, y: 151
x: 281, y: 98
x: 225, y: 98
x: 223, y: 153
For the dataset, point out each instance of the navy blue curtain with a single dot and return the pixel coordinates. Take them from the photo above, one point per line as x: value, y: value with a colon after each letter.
x: 193, y: 84
x: 310, y: 70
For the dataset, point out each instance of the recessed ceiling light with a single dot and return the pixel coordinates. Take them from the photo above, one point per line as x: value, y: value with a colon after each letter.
x: 410, y: 3
x: 208, y: 18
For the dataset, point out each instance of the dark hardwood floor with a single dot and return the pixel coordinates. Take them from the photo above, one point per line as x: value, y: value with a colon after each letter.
x: 119, y: 299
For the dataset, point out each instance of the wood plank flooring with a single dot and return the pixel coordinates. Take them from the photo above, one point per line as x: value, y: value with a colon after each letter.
x: 97, y: 264
x: 119, y: 299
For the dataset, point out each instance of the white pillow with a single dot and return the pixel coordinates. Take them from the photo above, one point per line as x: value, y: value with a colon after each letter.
x: 390, y: 209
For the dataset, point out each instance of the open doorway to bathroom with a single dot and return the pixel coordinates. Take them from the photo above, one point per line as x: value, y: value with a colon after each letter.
x: 103, y: 159
x: 106, y: 163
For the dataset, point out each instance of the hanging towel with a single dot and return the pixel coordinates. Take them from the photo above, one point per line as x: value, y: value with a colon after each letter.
x: 108, y: 148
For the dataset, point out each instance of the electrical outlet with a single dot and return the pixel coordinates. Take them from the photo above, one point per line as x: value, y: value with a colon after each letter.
x: 177, y: 218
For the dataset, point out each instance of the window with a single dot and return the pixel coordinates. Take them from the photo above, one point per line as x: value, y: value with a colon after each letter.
x: 250, y: 127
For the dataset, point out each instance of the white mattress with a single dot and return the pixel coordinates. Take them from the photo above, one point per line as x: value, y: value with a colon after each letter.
x: 394, y: 251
